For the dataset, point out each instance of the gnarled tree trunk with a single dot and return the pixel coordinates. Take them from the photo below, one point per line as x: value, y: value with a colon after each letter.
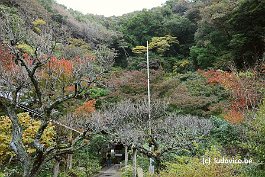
x: 16, y: 142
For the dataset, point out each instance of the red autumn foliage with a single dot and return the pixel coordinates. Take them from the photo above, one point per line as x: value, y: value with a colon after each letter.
x: 6, y: 58
x: 28, y: 59
x: 243, y: 91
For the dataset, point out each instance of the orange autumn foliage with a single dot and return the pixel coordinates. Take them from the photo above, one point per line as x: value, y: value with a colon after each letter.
x: 70, y: 88
x: 61, y: 65
x: 226, y: 79
x: 87, y: 107
x: 242, y: 90
x: 234, y: 116
x: 59, y: 72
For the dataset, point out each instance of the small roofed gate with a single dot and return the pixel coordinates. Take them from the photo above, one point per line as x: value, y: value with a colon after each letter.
x: 117, y: 152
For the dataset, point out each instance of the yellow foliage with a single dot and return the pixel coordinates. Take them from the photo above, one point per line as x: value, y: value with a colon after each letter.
x: 39, y: 22
x: 37, y: 30
x: 25, y: 48
x: 79, y: 46
x: 139, y: 49
x: 36, y: 24
x: 162, y: 44
x: 30, y: 127
x: 79, y: 43
x: 181, y: 65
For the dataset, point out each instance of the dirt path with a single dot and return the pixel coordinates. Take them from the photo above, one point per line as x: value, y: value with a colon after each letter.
x: 112, y: 171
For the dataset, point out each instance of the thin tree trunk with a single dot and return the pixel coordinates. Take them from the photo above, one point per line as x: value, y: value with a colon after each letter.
x: 69, y: 161
x: 56, y: 168
x: 134, y: 162
x: 158, y: 164
x: 38, y: 162
x: 126, y: 156
x: 70, y: 156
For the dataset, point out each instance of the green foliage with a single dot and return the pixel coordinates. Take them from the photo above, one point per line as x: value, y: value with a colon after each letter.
x: 7, y: 10
x: 79, y: 43
x: 225, y: 35
x: 47, y: 4
x: 96, y: 147
x: 247, y: 24
x: 203, y: 57
x: 12, y: 21
x: 134, y: 62
x: 126, y: 171
x: 253, y: 170
x: 87, y: 160
x: 76, y: 47
x: 193, y: 167
x: 86, y: 170
x: 182, y: 28
x: 225, y: 133
x: 142, y: 163
x: 255, y: 135
x: 145, y: 25
x: 190, y: 93
x: 11, y: 170
x: 96, y: 92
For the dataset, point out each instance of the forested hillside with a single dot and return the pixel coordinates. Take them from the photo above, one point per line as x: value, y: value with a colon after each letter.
x: 73, y: 90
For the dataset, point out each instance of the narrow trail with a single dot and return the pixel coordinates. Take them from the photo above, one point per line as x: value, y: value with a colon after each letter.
x: 112, y: 171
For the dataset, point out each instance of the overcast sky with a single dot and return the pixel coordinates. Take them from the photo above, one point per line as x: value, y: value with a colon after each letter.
x: 110, y: 7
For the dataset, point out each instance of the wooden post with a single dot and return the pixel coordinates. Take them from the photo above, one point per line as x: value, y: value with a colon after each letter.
x: 69, y: 164
x: 126, y: 155
x: 134, y: 153
x: 151, y: 166
x: 69, y: 161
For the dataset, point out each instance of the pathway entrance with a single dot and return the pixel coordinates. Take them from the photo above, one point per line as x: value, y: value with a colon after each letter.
x: 112, y: 171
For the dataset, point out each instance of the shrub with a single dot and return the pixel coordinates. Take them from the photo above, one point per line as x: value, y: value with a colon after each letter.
x: 225, y: 133
x: 189, y: 93
x: 126, y: 171
x: 243, y: 88
x: 256, y: 135
x: 194, y: 167
x: 182, y: 66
